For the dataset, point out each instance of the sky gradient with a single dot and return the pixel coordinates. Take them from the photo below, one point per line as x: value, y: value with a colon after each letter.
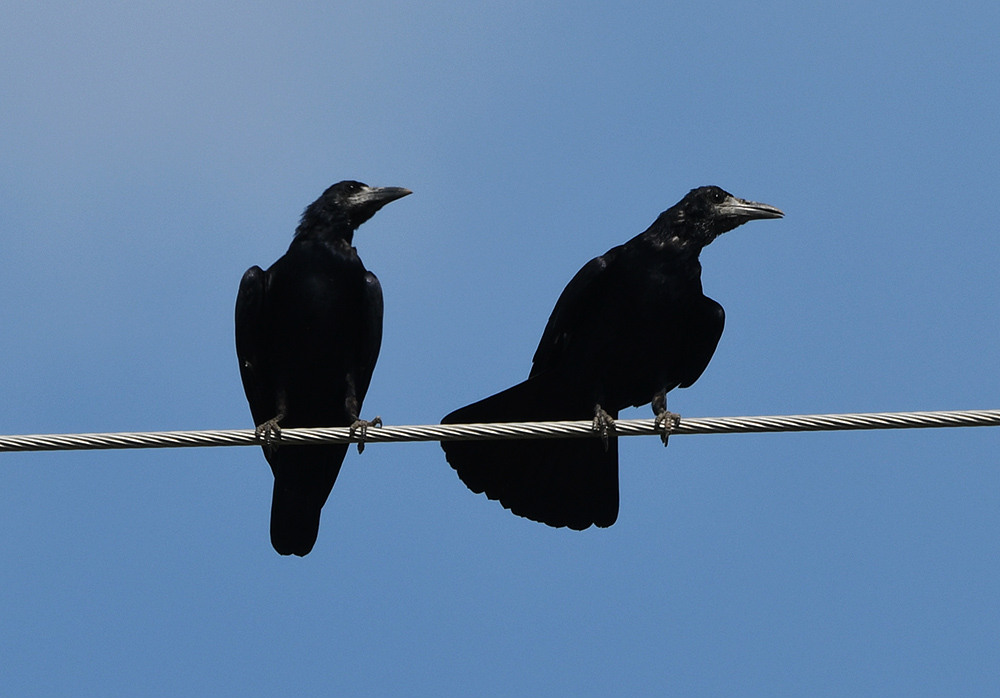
x: 152, y: 152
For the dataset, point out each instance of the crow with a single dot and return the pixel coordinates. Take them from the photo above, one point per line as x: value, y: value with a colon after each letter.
x: 308, y: 333
x: 632, y: 325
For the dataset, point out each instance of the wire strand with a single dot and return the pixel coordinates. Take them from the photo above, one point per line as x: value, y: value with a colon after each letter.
x: 512, y: 430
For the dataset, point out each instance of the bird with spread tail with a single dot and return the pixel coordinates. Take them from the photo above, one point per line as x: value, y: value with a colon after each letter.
x: 632, y: 325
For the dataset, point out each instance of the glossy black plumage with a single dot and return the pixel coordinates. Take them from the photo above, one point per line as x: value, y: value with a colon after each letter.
x: 308, y: 332
x: 632, y: 325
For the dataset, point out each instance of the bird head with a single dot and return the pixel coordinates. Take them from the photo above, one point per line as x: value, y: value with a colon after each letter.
x: 345, y: 206
x: 706, y: 213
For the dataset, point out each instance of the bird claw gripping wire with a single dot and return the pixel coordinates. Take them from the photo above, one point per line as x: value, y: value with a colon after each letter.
x: 603, y: 424
x: 270, y: 433
x: 361, y: 426
x: 665, y: 423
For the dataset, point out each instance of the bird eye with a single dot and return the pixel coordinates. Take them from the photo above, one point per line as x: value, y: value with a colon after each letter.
x: 717, y: 197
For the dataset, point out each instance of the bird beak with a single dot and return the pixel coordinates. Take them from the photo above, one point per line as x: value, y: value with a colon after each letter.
x: 379, y: 196
x: 748, y: 210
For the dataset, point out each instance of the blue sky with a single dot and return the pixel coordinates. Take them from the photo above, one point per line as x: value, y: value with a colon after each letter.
x: 151, y: 152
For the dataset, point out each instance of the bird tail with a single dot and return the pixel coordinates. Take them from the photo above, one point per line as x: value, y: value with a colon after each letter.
x: 559, y: 482
x: 303, y: 479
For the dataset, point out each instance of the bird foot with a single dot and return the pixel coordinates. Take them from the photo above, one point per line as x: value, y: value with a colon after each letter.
x: 361, y: 426
x: 667, y: 422
x: 270, y: 433
x: 603, y: 424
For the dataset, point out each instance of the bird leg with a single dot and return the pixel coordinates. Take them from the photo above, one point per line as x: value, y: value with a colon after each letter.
x: 270, y: 433
x: 603, y: 424
x: 667, y: 421
x: 361, y: 426
x: 353, y: 409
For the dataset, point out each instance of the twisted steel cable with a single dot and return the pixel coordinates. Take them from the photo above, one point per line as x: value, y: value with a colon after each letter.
x: 513, y: 430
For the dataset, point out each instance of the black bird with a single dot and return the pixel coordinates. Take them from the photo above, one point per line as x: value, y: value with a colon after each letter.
x: 632, y: 325
x: 308, y: 332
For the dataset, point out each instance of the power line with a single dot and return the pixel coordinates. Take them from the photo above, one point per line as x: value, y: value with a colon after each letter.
x: 520, y: 430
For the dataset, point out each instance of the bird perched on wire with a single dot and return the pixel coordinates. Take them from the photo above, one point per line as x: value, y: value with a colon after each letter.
x: 308, y: 332
x: 632, y: 325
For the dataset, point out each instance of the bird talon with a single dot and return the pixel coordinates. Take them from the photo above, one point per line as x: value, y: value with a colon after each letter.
x: 270, y: 433
x: 666, y: 422
x: 361, y: 426
x: 603, y: 424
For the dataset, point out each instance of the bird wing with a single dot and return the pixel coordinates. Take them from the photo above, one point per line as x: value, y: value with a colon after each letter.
x: 578, y: 298
x: 370, y: 339
x: 249, y: 343
x: 702, y: 336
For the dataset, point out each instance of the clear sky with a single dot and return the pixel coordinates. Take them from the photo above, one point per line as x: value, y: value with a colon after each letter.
x: 151, y: 152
